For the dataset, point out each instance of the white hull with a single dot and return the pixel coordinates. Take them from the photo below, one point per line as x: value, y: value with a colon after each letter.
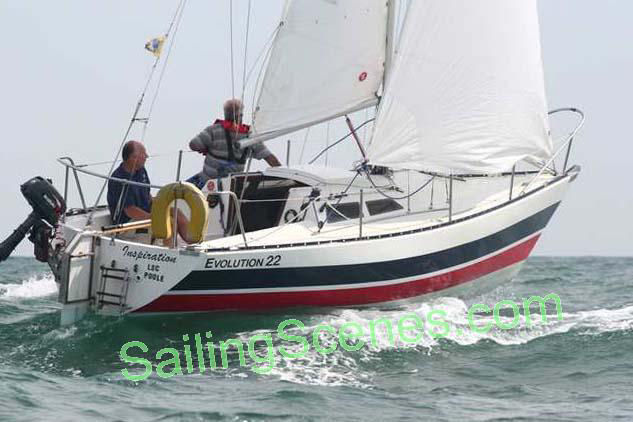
x: 480, y: 249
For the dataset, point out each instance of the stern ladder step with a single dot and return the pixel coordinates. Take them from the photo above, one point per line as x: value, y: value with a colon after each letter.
x: 116, y: 275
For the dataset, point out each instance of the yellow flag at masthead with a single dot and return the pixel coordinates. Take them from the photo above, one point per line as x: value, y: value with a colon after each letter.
x: 155, y: 46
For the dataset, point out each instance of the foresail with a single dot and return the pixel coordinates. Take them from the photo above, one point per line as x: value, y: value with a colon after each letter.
x: 327, y: 60
x: 466, y: 93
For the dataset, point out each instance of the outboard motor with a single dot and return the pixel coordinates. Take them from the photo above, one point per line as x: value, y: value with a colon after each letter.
x: 48, y: 206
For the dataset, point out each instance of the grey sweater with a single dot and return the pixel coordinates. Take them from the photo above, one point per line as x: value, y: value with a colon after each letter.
x: 217, y: 163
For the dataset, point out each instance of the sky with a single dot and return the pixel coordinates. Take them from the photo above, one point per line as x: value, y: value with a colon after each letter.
x: 72, y: 71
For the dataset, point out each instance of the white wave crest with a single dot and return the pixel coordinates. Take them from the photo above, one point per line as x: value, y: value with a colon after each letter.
x: 605, y: 320
x: 61, y: 333
x: 454, y: 312
x: 34, y: 287
x: 379, y: 331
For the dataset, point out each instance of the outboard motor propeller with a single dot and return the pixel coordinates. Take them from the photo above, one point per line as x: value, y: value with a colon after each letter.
x: 48, y: 206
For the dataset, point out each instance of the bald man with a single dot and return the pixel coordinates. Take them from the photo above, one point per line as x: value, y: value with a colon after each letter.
x: 132, y: 202
x: 219, y: 144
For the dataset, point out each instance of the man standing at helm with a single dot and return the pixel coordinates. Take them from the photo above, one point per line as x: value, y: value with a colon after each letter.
x: 219, y: 144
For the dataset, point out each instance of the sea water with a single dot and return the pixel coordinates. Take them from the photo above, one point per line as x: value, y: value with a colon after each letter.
x: 577, y: 367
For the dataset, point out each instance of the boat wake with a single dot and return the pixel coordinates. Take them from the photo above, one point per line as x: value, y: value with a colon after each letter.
x: 358, y: 368
x: 34, y: 287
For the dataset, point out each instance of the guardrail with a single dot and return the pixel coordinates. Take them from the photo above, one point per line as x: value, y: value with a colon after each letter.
x: 568, y: 143
x: 70, y: 165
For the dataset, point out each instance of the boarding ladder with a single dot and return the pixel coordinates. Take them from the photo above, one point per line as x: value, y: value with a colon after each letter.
x: 105, y: 296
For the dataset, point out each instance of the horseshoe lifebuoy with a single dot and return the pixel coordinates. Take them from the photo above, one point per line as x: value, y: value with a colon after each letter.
x: 161, y: 217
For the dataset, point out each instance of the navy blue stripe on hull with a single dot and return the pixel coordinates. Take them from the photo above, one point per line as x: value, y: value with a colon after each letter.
x: 369, y: 272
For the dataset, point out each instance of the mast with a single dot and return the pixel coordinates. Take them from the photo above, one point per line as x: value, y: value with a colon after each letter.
x: 392, y: 6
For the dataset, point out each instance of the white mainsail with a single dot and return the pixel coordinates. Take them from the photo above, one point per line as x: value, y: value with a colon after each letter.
x: 466, y: 92
x: 327, y: 60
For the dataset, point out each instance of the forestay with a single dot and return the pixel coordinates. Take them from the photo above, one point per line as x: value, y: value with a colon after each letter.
x: 327, y: 60
x: 466, y: 92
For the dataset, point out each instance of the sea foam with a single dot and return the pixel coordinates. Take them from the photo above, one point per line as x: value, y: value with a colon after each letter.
x: 344, y: 368
x: 34, y: 287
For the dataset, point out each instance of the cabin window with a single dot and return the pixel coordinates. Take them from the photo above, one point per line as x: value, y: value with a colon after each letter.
x: 350, y: 210
x: 382, y: 206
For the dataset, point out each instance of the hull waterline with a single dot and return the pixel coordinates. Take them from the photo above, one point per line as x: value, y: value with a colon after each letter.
x: 493, y: 268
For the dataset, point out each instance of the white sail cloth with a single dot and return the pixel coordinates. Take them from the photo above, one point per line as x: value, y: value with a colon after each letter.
x: 466, y: 93
x: 327, y: 60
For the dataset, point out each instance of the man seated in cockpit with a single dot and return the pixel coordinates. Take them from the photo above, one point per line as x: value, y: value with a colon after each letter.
x: 129, y: 202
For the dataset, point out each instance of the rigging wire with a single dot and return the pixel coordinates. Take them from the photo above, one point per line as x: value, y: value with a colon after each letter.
x: 265, y: 50
x: 183, y: 3
x: 166, y: 154
x: 327, y: 142
x: 365, y: 128
x: 420, y: 189
x: 134, y: 118
x: 146, y: 120
x: 340, y: 198
x: 401, y: 15
x: 349, y: 186
x: 340, y: 140
x: 305, y: 141
x: 250, y: 150
x: 232, y: 53
x: 248, y: 26
x: 268, y: 52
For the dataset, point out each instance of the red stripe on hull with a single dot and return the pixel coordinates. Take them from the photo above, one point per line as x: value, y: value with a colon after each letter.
x: 342, y: 297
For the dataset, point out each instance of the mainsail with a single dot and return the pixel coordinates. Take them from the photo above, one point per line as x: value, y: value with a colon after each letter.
x: 327, y: 60
x: 466, y: 91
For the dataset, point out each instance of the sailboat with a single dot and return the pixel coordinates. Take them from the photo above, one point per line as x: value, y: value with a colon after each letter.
x: 452, y: 190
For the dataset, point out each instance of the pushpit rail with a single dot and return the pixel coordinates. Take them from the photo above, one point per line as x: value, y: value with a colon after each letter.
x: 70, y: 165
x: 567, y: 144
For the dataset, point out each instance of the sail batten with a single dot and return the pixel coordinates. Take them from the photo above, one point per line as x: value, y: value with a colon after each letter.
x: 466, y: 92
x: 327, y: 60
